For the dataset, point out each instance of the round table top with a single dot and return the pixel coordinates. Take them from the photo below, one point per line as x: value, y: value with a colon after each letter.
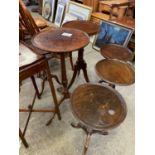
x: 60, y: 40
x: 87, y: 26
x: 113, y: 51
x: 97, y: 106
x: 116, y: 72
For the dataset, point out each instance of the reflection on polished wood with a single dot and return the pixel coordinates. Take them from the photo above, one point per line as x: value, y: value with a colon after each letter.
x: 114, y: 51
x: 115, y: 72
x: 98, y: 109
x: 87, y: 26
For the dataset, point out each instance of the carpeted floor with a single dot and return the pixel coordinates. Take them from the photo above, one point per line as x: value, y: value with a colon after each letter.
x: 60, y: 138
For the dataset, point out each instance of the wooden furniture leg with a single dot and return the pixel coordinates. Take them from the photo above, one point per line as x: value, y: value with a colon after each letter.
x: 23, y: 139
x: 80, y: 64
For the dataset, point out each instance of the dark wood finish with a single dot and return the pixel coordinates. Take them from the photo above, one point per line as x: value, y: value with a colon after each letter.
x: 98, y: 109
x: 113, y: 51
x: 87, y: 26
x: 115, y: 72
x: 29, y: 69
x: 90, y: 28
x: 55, y: 42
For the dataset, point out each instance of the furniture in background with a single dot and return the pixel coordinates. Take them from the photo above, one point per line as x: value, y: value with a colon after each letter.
x: 110, y: 10
x: 98, y: 108
x: 30, y: 64
x: 115, y: 72
x: 93, y: 3
x: 27, y: 23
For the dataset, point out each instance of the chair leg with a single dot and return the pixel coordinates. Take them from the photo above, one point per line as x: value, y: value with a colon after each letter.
x: 35, y: 87
x: 23, y: 139
x: 49, y: 77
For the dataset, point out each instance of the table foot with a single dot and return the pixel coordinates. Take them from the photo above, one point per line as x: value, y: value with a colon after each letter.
x: 86, y: 145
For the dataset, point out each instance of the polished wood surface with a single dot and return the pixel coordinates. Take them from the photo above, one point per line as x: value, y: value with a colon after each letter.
x: 56, y: 42
x: 128, y: 22
x: 87, y: 26
x: 115, y: 72
x: 113, y: 51
x: 98, y: 107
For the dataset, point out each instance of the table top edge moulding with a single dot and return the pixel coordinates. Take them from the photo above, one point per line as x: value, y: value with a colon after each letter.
x: 84, y: 118
x: 112, y: 76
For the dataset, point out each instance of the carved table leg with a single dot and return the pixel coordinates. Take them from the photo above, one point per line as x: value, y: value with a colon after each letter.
x: 80, y: 64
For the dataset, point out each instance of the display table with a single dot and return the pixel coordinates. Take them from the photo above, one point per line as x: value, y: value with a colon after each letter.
x: 98, y: 108
x: 63, y: 41
x: 115, y: 72
x: 114, y: 51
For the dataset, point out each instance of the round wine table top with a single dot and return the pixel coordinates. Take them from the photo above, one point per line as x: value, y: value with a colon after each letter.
x: 115, y: 72
x: 60, y: 40
x: 113, y: 51
x: 87, y: 26
x: 98, y: 107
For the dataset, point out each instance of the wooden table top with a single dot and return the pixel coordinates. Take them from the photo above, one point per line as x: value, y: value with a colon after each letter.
x: 97, y: 106
x: 113, y: 51
x: 60, y: 40
x: 115, y: 72
x: 128, y: 22
x: 87, y: 26
x: 109, y: 3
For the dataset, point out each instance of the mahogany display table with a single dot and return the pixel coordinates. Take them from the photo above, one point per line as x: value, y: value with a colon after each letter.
x: 98, y: 108
x: 114, y: 51
x: 63, y: 41
x: 115, y: 72
x: 87, y: 26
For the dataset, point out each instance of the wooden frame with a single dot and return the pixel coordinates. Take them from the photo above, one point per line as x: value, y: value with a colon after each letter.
x: 82, y: 12
x: 59, y: 14
x: 48, y: 9
x: 112, y: 33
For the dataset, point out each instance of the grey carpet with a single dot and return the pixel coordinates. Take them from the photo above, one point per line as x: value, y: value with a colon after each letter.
x: 60, y: 138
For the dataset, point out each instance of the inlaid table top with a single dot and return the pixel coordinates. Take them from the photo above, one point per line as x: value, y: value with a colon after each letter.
x: 60, y: 40
x: 116, y: 72
x: 113, y: 51
x: 98, y: 107
x: 87, y: 26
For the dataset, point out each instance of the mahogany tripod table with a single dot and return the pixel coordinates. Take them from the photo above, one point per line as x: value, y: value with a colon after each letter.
x: 63, y: 41
x: 115, y: 72
x: 114, y: 51
x: 98, y: 108
x: 87, y: 26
